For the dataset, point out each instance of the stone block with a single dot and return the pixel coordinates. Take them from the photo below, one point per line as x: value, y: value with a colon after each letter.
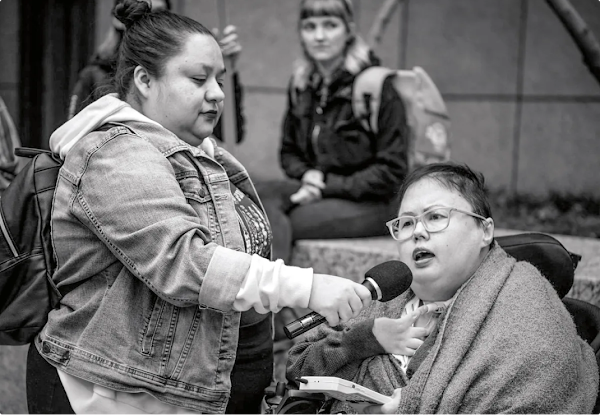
x: 559, y: 148
x: 259, y: 152
x: 466, y: 46
x: 482, y: 137
x: 268, y: 33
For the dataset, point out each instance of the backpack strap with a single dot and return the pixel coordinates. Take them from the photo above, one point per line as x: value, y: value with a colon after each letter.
x: 366, y: 96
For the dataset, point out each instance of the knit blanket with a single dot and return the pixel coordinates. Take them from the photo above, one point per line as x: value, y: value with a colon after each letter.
x: 506, y: 343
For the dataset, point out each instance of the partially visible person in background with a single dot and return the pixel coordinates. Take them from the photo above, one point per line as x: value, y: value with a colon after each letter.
x: 9, y: 140
x: 94, y: 79
x: 341, y: 179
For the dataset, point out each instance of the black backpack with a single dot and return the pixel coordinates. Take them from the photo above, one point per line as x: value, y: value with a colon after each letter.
x: 27, y: 292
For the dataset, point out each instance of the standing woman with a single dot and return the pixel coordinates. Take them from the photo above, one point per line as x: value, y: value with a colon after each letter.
x: 160, y: 239
x: 342, y: 179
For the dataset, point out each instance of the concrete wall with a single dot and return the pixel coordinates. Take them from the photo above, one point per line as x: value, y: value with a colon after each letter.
x: 525, y: 110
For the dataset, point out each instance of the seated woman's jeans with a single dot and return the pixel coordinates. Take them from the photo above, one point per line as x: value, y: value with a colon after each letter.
x: 323, y: 219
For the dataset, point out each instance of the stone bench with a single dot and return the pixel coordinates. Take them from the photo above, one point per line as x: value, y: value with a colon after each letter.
x: 352, y: 257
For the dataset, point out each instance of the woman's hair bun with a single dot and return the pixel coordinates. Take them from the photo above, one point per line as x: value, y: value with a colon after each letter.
x: 130, y: 11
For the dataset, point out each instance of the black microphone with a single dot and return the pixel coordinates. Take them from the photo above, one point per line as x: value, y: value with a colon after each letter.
x: 386, y: 281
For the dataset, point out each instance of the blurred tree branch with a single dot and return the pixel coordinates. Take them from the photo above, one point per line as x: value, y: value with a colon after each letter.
x: 584, y: 38
x: 381, y: 21
x: 580, y: 33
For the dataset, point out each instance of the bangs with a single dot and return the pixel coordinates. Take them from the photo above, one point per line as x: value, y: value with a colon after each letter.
x: 321, y: 8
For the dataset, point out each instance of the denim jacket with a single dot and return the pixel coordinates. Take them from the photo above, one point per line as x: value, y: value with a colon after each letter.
x: 147, y: 317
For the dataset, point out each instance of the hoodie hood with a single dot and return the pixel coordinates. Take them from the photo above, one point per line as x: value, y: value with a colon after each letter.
x: 105, y: 110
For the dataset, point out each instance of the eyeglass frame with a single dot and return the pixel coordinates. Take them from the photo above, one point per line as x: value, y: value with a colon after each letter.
x: 417, y: 219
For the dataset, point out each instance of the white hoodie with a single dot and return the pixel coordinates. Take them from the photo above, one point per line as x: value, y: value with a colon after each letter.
x: 107, y: 109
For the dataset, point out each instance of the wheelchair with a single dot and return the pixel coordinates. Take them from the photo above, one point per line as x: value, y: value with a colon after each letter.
x: 543, y: 251
x: 284, y: 398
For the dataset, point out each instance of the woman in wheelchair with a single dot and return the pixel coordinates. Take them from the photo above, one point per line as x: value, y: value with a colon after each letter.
x: 498, y: 339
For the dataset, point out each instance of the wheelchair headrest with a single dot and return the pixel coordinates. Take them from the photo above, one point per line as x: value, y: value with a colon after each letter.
x: 545, y: 253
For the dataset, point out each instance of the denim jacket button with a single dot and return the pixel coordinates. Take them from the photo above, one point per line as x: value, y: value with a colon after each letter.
x: 45, y: 348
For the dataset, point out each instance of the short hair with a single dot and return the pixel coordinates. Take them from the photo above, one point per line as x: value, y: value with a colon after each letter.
x: 458, y: 177
x: 150, y: 39
x: 357, y: 53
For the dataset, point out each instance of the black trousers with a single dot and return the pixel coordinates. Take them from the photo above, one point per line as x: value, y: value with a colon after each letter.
x: 253, y: 368
x: 45, y: 393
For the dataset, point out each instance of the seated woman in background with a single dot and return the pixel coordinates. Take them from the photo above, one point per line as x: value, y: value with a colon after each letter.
x: 341, y: 179
x: 477, y: 332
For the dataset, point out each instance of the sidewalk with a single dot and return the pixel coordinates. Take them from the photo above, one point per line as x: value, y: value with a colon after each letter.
x: 351, y: 258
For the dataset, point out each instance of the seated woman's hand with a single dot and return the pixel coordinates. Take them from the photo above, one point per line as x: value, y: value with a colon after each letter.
x: 337, y: 299
x: 314, y: 177
x: 398, y: 336
x: 306, y: 194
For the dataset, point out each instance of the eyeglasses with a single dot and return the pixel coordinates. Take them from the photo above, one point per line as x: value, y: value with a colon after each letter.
x: 433, y: 220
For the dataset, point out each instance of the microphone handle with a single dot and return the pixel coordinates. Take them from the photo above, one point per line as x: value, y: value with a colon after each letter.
x: 312, y: 320
x: 303, y: 324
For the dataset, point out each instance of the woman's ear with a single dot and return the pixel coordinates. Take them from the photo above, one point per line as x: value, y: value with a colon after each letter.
x: 488, y: 231
x: 142, y: 81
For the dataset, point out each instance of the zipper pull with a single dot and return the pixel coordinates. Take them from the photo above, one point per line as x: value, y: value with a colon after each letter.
x: 315, y: 136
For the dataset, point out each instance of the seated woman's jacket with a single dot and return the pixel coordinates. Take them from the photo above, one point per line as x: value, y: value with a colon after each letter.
x: 148, y: 246
x: 321, y: 132
x: 505, y: 344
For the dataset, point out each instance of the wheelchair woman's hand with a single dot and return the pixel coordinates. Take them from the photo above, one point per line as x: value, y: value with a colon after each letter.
x: 398, y: 336
x: 387, y: 408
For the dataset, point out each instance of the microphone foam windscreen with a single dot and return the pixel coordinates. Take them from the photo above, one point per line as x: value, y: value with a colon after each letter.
x: 393, y: 278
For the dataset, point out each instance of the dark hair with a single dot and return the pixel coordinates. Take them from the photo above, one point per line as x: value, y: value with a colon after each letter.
x: 150, y: 40
x: 458, y: 177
